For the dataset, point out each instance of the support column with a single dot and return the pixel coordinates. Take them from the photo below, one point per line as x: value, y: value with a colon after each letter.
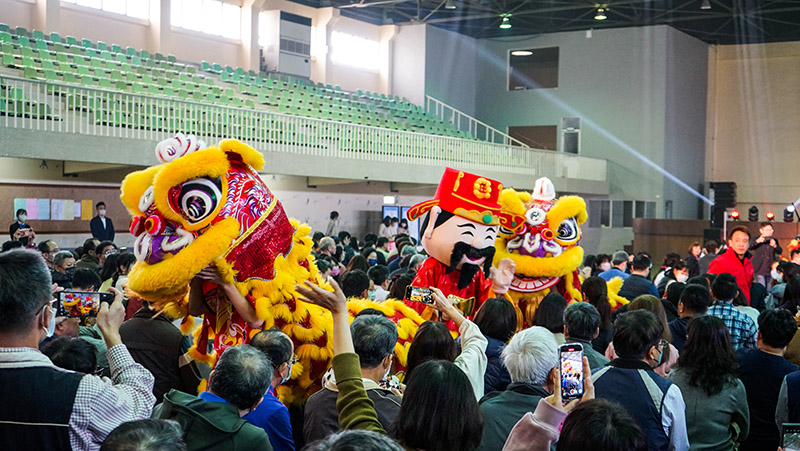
x: 160, y: 30
x: 249, y: 57
x: 47, y: 15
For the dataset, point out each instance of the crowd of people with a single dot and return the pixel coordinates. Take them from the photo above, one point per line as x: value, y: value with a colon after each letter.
x: 704, y: 355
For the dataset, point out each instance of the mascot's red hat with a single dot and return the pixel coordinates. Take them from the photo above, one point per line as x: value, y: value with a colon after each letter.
x: 470, y: 196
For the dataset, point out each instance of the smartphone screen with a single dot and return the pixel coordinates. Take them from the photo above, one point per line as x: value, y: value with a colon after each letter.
x: 81, y: 303
x: 790, y: 436
x: 419, y: 294
x: 571, y: 371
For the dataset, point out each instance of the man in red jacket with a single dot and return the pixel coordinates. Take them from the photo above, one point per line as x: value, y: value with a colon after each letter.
x: 736, y: 260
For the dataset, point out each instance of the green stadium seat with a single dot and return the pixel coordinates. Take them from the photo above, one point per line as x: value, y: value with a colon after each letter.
x: 71, y: 40
x: 55, y: 37
x: 69, y: 77
x: 159, y: 57
x: 4, y: 28
x: 102, y: 46
x: 144, y: 54
x: 30, y: 72
x: 37, y: 34
x: 116, y: 48
x: 21, y: 31
x: 172, y: 59
x: 130, y: 51
x: 5, y: 37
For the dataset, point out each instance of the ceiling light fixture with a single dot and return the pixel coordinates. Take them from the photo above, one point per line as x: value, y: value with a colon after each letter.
x: 705, y: 5
x: 505, y: 24
x: 521, y: 53
x: 601, y: 14
x: 449, y: 4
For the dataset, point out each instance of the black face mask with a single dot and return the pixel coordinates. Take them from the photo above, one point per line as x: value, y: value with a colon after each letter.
x: 468, y: 270
x: 70, y: 272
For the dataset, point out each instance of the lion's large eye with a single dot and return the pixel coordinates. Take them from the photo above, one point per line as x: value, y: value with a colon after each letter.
x: 199, y: 198
x: 568, y: 231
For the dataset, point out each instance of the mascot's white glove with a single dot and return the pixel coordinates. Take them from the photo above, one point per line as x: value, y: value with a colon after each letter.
x: 503, y: 275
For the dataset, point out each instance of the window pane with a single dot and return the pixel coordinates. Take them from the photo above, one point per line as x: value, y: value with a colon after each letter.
x: 262, y: 30
x: 627, y: 213
x: 192, y: 15
x: 114, y: 6
x: 176, y: 13
x: 639, y: 209
x: 69, y: 1
x: 231, y: 21
x: 139, y: 9
x: 355, y: 51
x: 212, y: 12
x: 605, y: 213
x: 533, y: 68
x: 617, y: 211
x: 650, y: 210
x: 90, y: 3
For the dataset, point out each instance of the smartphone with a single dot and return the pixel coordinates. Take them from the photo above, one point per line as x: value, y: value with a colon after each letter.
x: 419, y: 294
x: 571, y: 355
x: 790, y: 436
x: 81, y: 303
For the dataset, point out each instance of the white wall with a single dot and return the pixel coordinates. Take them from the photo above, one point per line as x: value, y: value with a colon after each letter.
x: 753, y: 133
x: 408, y: 63
x: 17, y: 13
x: 451, y: 71
x: 102, y: 26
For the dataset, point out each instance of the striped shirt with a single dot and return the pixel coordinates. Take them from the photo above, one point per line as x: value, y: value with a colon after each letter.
x: 101, y: 404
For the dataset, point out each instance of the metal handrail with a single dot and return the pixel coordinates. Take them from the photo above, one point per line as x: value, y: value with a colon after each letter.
x: 464, y: 122
x: 92, y: 111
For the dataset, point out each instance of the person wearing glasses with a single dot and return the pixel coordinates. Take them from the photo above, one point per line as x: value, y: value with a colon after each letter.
x: 271, y: 415
x: 653, y: 401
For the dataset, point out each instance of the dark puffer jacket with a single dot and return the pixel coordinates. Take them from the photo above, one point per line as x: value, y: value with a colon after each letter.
x: 496, y: 377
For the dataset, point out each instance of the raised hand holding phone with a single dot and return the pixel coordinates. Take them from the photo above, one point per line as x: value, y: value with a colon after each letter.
x: 588, y: 389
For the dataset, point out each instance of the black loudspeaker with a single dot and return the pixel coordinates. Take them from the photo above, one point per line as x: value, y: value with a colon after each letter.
x: 713, y: 234
x: 724, y: 197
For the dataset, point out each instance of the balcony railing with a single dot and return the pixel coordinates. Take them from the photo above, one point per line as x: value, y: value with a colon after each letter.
x: 63, y: 108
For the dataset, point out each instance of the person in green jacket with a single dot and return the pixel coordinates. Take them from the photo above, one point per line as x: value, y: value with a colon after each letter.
x: 423, y: 422
x: 214, y: 419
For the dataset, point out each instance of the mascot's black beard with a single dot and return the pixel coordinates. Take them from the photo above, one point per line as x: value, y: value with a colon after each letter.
x: 468, y: 271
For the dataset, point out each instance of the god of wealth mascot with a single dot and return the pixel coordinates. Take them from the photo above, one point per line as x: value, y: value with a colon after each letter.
x: 545, y: 250
x: 206, y: 211
x: 458, y: 234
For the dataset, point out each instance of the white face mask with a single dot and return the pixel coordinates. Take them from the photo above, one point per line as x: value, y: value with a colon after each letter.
x: 22, y: 218
x: 776, y: 276
x: 101, y: 212
x: 51, y: 328
x: 605, y: 266
x: 681, y: 277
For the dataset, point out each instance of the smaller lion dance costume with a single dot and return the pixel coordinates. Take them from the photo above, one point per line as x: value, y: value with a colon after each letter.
x: 208, y: 205
x: 459, y: 234
x: 545, y: 250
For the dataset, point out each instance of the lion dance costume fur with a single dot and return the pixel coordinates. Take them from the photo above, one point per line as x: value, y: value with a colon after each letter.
x: 207, y: 205
x: 546, y: 250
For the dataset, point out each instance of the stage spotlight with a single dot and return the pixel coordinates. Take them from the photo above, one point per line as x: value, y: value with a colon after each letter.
x: 770, y: 216
x: 752, y: 214
x: 735, y: 215
x: 788, y: 214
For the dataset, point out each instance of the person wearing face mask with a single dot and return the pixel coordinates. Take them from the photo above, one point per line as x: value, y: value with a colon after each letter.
x: 679, y: 272
x: 102, y: 227
x: 63, y: 269
x: 19, y: 230
x: 653, y: 401
x: 374, y: 339
x: 271, y: 415
x: 45, y: 407
x: 48, y: 249
x: 620, y: 262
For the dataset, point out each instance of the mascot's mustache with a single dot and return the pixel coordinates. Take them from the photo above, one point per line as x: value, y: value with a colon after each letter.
x: 468, y: 271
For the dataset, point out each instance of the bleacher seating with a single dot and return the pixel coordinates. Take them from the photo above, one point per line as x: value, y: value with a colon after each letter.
x: 53, y: 58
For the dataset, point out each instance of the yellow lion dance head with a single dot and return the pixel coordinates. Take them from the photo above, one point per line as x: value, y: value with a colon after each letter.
x: 546, y: 250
